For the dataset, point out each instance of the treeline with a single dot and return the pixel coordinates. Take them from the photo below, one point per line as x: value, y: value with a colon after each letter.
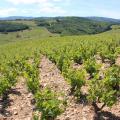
x: 73, y: 25
x: 11, y: 27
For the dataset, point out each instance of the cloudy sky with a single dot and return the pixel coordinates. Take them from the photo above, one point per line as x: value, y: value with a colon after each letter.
x: 104, y: 8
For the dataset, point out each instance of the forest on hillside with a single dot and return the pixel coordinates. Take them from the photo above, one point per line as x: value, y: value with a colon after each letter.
x: 73, y: 25
x: 11, y: 27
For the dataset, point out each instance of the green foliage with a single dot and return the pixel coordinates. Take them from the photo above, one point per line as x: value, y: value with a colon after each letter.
x: 11, y: 27
x: 77, y: 80
x: 48, y: 103
x: 20, y: 67
x: 36, y: 117
x: 113, y: 78
x: 78, y: 58
x: 8, y: 78
x: 31, y: 73
x: 4, y: 85
x: 63, y: 51
x: 63, y: 63
x: 106, y: 90
x: 73, y: 25
x: 33, y: 85
x: 91, y: 67
x: 33, y: 33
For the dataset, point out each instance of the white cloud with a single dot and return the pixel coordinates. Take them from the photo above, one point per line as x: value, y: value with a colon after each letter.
x: 56, y: 10
x: 47, y: 7
x: 7, y: 11
x: 16, y: 2
x: 42, y: 6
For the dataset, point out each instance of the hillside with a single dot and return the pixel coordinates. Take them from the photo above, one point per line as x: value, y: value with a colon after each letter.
x: 60, y: 60
x: 73, y: 25
x: 58, y: 77
x: 67, y: 26
x: 12, y: 27
x: 34, y: 32
x: 61, y: 25
x: 16, y: 18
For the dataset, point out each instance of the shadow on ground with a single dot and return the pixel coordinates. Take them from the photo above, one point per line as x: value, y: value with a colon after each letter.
x: 5, y: 102
x: 105, y: 115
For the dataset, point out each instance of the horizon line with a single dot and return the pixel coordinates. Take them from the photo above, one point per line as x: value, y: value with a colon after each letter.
x: 59, y: 16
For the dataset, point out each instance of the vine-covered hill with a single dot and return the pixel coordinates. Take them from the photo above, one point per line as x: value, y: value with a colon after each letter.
x: 60, y: 77
x: 73, y: 25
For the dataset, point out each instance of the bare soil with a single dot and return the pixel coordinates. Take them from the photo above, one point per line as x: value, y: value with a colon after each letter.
x: 51, y: 77
x: 110, y: 113
x: 107, y: 113
x: 118, y: 61
x: 18, y: 104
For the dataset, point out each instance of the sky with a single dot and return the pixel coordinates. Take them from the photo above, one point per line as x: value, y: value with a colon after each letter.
x: 41, y: 8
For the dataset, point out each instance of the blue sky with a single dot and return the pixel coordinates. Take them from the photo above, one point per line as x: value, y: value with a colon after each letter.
x: 104, y: 8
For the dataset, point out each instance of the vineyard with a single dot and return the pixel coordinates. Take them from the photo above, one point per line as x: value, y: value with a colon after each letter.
x: 61, y: 78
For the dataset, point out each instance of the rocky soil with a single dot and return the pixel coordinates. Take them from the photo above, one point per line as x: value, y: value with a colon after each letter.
x: 18, y: 104
x: 51, y: 77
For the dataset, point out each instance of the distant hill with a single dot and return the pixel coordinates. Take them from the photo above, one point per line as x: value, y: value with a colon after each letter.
x: 73, y: 25
x: 67, y: 25
x: 16, y: 18
x: 100, y: 19
x: 104, y: 19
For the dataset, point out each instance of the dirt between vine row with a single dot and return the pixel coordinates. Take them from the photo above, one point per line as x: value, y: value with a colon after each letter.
x: 118, y: 60
x: 18, y: 104
x: 107, y: 113
x: 51, y: 77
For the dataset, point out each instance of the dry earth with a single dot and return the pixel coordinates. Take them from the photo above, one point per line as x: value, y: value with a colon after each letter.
x: 18, y: 104
x: 51, y: 77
